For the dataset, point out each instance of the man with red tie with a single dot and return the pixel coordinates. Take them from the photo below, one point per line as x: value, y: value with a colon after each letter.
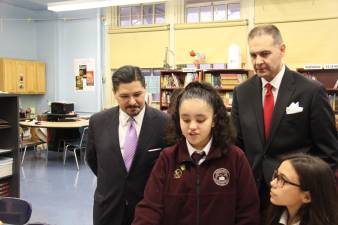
x: 279, y: 111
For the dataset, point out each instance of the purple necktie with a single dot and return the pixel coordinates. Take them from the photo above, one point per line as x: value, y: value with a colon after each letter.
x: 130, y: 143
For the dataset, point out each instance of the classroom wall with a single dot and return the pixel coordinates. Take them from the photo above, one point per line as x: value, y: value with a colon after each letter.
x: 307, y: 26
x: 56, y: 39
x: 79, y: 38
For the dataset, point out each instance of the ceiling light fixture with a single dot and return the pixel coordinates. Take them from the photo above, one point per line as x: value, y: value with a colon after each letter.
x: 91, y: 4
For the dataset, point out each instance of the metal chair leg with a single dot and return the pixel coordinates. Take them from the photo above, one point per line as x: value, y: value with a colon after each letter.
x: 65, y: 154
x: 23, y: 155
x: 77, y: 163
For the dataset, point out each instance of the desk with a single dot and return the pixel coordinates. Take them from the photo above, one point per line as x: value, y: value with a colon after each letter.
x: 70, y: 130
x: 48, y: 124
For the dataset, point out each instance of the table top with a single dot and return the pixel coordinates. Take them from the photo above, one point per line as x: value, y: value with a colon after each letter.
x: 49, y: 124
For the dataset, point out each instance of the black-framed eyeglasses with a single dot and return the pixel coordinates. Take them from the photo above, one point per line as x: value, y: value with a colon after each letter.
x: 281, y: 180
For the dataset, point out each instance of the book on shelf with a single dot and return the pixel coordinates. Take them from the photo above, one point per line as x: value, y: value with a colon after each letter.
x: 212, y: 79
x: 6, y: 165
x: 335, y: 84
x: 227, y: 98
x: 170, y: 81
x: 4, y: 189
x: 3, y: 122
x: 333, y: 101
x: 5, y: 150
x: 190, y: 77
x: 165, y: 98
x: 230, y: 81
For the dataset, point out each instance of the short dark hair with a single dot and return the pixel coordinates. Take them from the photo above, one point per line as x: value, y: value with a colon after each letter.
x: 316, y: 177
x: 127, y: 74
x: 223, y: 132
x: 270, y: 29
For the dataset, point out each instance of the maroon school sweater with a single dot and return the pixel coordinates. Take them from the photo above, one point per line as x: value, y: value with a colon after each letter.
x: 220, y: 191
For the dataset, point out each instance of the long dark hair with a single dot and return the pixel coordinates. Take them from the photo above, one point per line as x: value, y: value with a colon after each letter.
x: 223, y: 132
x: 316, y: 177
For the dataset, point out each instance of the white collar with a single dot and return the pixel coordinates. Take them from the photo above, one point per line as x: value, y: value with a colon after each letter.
x: 276, y: 81
x: 284, y: 219
x: 206, y: 148
x: 124, y: 117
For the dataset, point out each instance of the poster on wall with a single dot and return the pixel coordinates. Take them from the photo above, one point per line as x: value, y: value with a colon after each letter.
x: 84, y: 70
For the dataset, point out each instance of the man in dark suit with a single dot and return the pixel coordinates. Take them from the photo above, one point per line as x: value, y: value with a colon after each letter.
x: 279, y: 111
x: 122, y: 169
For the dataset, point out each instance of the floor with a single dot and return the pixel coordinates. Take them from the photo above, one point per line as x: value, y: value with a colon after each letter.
x: 60, y: 195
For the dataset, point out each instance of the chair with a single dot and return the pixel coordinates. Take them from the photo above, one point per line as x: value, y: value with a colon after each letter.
x: 34, y: 141
x: 14, y: 211
x: 76, y: 145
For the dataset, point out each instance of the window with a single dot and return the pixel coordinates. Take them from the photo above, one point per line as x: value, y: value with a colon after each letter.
x: 212, y: 11
x: 152, y: 79
x: 141, y: 14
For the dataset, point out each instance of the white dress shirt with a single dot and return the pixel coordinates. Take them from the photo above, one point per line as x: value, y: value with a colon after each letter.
x: 284, y: 219
x: 123, y: 125
x: 206, y: 149
x: 276, y: 81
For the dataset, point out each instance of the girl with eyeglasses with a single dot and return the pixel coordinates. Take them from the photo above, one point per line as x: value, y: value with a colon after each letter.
x: 303, y: 192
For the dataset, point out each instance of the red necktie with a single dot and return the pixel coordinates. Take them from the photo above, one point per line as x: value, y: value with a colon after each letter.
x: 268, y: 109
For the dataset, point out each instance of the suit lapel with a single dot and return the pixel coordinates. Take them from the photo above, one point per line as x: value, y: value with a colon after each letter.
x: 258, y: 105
x: 145, y: 134
x: 285, y: 92
x: 114, y: 126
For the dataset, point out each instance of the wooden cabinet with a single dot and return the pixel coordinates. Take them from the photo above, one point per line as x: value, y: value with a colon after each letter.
x: 224, y: 80
x: 22, y: 76
x: 329, y: 78
x: 40, y: 77
x: 9, y: 149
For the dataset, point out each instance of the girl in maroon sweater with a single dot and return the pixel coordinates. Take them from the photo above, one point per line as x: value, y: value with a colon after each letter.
x: 203, y: 179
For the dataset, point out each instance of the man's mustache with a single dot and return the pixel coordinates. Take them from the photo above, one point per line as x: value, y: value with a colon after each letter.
x: 133, y: 107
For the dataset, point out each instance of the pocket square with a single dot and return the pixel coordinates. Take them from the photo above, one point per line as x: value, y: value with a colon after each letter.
x: 294, y: 108
x: 154, y: 149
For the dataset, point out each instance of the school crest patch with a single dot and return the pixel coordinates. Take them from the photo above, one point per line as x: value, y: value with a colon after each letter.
x: 221, y: 176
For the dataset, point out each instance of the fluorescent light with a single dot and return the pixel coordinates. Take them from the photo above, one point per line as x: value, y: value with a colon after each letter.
x: 91, y: 4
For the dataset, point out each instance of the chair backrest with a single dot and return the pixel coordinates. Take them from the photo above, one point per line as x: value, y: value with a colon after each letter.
x: 83, y: 141
x: 14, y: 210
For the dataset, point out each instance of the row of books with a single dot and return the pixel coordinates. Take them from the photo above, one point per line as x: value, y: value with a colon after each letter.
x: 225, y: 81
x: 3, y: 123
x: 165, y: 98
x: 175, y: 81
x: 227, y: 98
x: 4, y: 188
x: 5, y: 150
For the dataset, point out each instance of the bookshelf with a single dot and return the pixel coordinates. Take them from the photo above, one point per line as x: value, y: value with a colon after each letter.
x: 328, y: 77
x: 224, y: 80
x: 9, y: 149
x: 173, y: 79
